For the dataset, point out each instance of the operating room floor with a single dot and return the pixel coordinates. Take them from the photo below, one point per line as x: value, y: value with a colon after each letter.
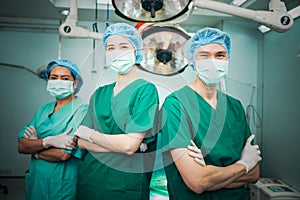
x: 15, y: 188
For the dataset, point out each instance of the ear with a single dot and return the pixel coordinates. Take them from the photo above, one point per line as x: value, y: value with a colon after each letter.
x: 75, y: 84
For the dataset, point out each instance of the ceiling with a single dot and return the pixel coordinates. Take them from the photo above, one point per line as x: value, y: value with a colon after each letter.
x: 12, y: 11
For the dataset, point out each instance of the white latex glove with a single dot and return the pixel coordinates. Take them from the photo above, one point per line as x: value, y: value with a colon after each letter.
x: 84, y: 133
x: 143, y: 147
x: 63, y: 141
x: 196, y: 153
x: 30, y: 133
x: 250, y: 155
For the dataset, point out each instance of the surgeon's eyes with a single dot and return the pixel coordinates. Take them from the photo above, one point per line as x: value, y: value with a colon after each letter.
x: 53, y: 77
x: 124, y: 47
x: 221, y: 55
x: 65, y: 78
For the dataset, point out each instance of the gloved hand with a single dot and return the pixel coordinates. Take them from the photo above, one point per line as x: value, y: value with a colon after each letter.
x: 63, y: 141
x: 196, y: 153
x: 84, y: 133
x: 250, y: 155
x: 143, y: 147
x: 30, y: 133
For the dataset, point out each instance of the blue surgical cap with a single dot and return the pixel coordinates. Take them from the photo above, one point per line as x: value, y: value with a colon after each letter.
x: 71, y: 66
x: 206, y: 36
x: 128, y: 32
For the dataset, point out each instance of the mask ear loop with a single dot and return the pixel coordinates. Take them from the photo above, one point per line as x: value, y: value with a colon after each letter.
x: 222, y: 85
x: 75, y: 82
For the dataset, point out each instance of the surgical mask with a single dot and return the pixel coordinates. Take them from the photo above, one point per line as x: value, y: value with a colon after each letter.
x: 60, y: 89
x: 212, y: 71
x: 121, y: 60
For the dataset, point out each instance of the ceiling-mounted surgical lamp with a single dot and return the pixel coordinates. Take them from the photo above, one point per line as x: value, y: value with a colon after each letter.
x: 163, y: 48
x: 276, y: 18
x: 150, y: 10
x: 70, y: 29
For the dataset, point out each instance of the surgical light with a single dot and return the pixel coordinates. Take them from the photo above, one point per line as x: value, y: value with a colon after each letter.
x: 163, y: 48
x: 150, y: 10
x: 276, y: 18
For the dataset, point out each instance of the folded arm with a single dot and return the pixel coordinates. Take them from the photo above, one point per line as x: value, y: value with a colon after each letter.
x: 251, y: 177
x: 33, y: 146
x: 53, y: 155
x: 30, y: 146
x: 84, y: 144
x: 205, y: 178
x: 122, y: 143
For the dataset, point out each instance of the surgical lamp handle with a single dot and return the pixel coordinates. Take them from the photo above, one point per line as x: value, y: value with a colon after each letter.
x: 277, y: 18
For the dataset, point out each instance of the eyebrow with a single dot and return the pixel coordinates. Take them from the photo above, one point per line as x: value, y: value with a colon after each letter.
x: 212, y: 52
x: 61, y: 75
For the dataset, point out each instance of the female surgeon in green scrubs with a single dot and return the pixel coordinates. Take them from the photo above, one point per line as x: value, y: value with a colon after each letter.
x: 215, y: 122
x: 118, y: 130
x: 49, y: 137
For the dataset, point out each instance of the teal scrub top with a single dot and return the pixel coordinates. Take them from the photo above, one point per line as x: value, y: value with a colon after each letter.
x: 221, y: 134
x: 115, y: 175
x: 54, y: 180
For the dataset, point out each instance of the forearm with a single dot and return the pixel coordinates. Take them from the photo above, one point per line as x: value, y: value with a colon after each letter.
x: 84, y: 144
x: 123, y: 143
x: 224, y: 176
x: 205, y: 178
x: 251, y: 177
x: 53, y: 155
x: 30, y: 146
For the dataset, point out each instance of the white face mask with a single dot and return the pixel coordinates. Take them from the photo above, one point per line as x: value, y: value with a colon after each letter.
x: 121, y: 60
x: 60, y: 89
x: 211, y: 71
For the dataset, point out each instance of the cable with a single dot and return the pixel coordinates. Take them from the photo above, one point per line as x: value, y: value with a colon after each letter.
x: 251, y: 111
x: 95, y: 29
x: 19, y: 67
x: 254, y: 112
x: 107, y: 14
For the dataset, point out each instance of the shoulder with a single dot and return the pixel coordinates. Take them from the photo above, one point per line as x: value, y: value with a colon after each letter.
x: 177, y: 95
x: 103, y: 88
x: 142, y: 86
x: 47, y: 105
x: 232, y: 100
x: 80, y: 103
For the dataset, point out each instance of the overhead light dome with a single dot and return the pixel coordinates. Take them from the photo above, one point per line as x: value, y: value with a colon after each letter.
x: 163, y: 50
x: 150, y: 10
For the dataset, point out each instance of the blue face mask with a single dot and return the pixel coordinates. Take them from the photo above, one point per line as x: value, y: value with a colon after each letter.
x: 121, y: 60
x: 60, y: 89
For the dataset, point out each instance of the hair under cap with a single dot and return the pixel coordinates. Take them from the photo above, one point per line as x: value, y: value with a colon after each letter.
x: 206, y: 36
x: 71, y: 66
x: 128, y: 32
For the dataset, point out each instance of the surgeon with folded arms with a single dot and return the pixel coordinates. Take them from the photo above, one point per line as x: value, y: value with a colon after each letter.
x: 49, y: 139
x: 208, y: 150
x: 118, y: 131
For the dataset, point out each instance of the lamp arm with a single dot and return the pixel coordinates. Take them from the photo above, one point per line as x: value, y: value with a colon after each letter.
x: 70, y: 29
x: 276, y: 18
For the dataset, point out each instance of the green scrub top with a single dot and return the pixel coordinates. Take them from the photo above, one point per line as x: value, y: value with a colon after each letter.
x: 158, y: 185
x: 54, y: 180
x: 115, y: 175
x: 221, y: 134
